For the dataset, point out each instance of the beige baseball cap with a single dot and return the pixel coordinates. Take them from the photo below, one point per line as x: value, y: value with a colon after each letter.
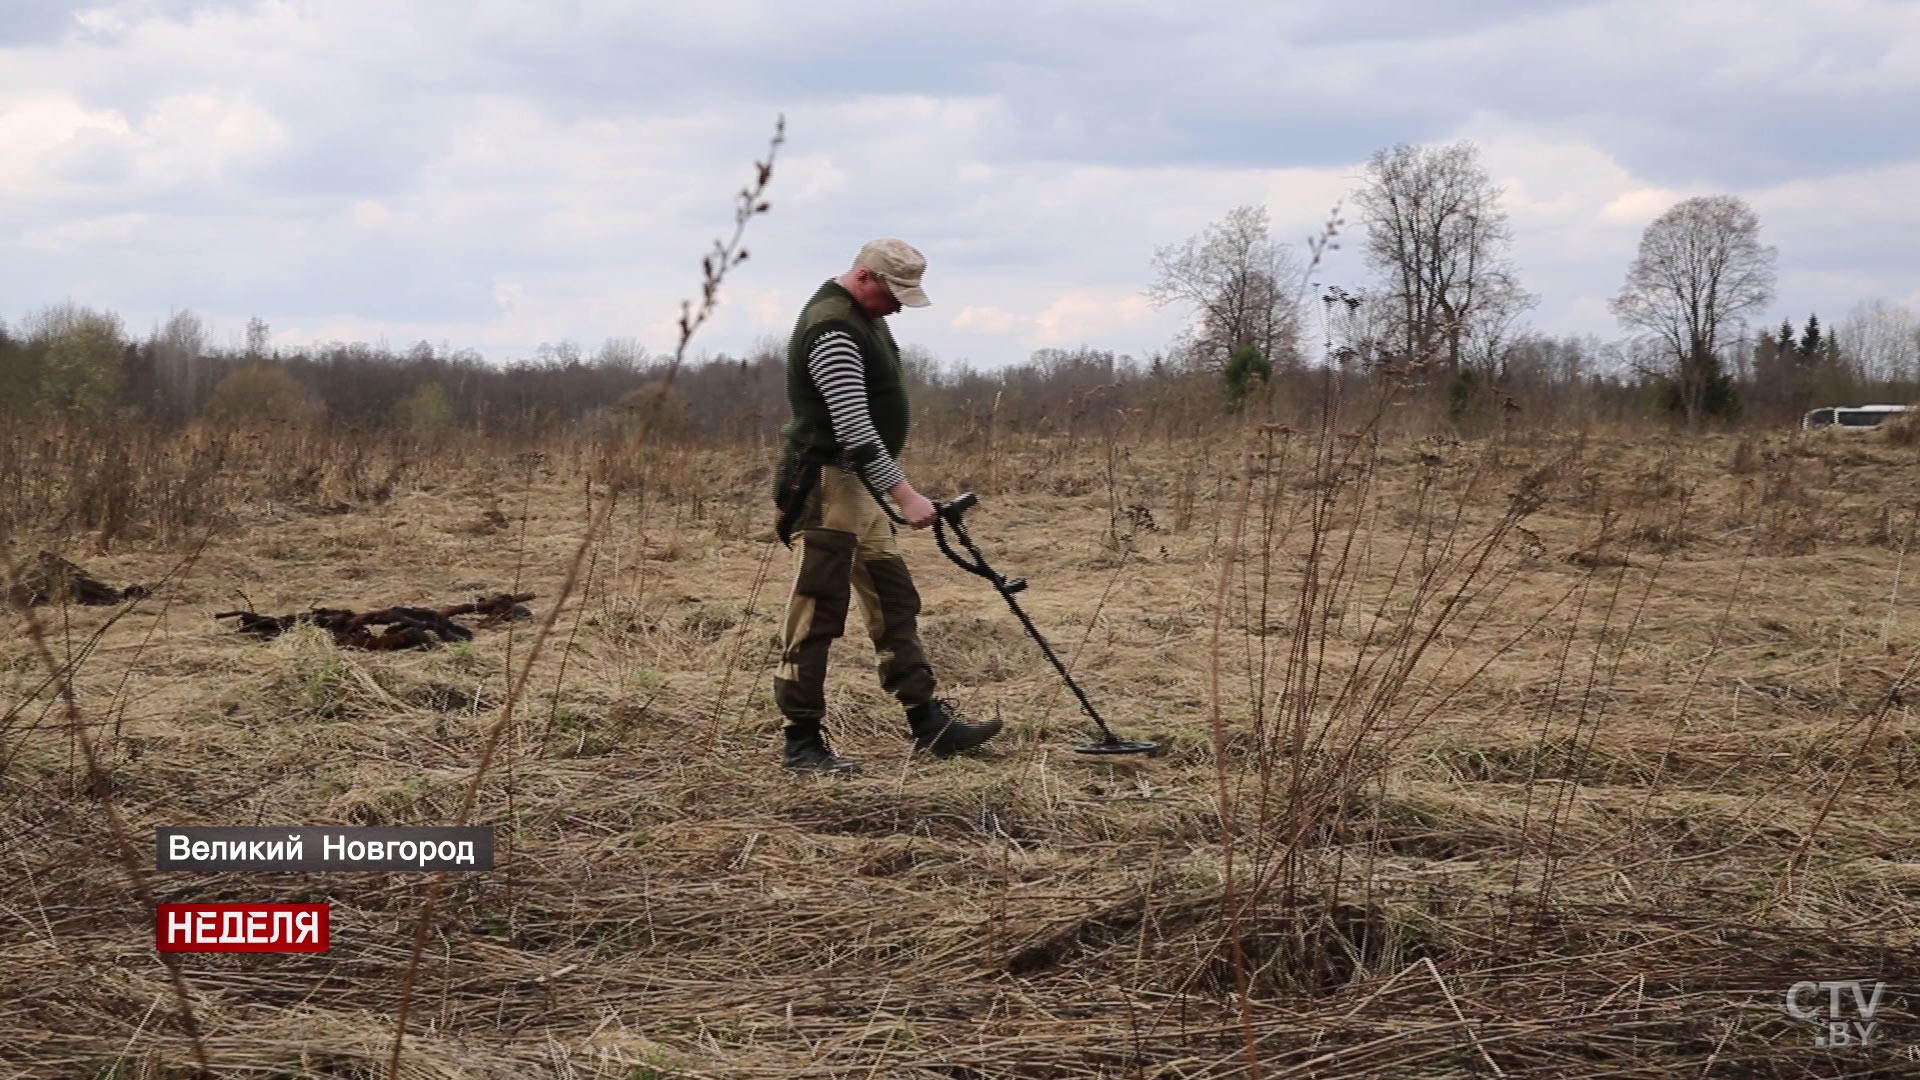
x: 901, y: 266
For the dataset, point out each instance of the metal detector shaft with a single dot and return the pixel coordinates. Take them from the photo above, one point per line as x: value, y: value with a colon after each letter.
x: 951, y: 514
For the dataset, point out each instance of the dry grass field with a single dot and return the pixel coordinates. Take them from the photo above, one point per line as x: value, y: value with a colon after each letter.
x: 1543, y: 755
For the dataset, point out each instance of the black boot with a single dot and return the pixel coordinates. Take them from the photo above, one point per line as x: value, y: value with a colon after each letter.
x: 937, y: 728
x: 807, y: 752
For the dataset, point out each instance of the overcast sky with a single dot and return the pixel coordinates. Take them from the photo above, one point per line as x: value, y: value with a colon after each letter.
x: 495, y: 174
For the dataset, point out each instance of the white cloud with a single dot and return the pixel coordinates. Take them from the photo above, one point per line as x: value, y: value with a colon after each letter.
x: 1084, y: 315
x: 991, y: 320
x: 55, y: 141
x: 810, y: 178
x: 503, y: 173
x: 82, y: 233
x: 196, y: 138
x: 102, y: 21
x: 371, y: 213
x: 43, y: 133
x: 1639, y: 206
x: 1866, y: 199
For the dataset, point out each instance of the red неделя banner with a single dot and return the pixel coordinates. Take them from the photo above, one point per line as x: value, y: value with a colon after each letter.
x: 241, y: 927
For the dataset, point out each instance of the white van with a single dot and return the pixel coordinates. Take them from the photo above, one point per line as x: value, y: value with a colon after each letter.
x: 1849, y: 416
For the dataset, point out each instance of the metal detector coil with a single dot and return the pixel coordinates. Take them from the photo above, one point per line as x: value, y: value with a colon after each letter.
x: 951, y: 515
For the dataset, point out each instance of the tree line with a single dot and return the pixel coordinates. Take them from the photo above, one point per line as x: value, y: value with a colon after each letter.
x: 1444, y: 315
x: 1446, y: 304
x: 75, y: 362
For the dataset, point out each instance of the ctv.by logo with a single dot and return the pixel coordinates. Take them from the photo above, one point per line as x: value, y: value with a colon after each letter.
x: 1841, y: 994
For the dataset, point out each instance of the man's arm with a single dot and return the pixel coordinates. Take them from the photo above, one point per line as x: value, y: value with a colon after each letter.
x: 834, y: 362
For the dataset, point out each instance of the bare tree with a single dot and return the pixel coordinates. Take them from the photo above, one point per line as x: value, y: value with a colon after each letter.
x: 1881, y: 341
x: 1241, y: 285
x: 1700, y: 268
x: 1438, y: 235
x: 180, y: 364
x: 622, y: 353
x: 1361, y: 328
x: 259, y: 336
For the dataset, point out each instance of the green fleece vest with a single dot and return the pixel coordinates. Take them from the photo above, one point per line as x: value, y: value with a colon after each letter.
x: 809, y: 435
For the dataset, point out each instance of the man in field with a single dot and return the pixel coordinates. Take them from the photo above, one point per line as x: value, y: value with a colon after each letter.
x: 850, y: 413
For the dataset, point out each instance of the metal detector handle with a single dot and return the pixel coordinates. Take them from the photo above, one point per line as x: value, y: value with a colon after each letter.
x: 953, y: 509
x: 950, y: 511
x: 951, y: 514
x: 854, y: 458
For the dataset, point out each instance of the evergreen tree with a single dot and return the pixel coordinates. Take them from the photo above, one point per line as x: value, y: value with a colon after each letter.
x: 1246, y: 364
x: 1709, y: 379
x: 1810, y: 342
x: 1464, y: 396
x: 1830, y: 354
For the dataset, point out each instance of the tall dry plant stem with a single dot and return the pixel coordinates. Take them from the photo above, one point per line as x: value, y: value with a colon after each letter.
x: 1222, y: 793
x: 102, y: 789
x: 714, y: 267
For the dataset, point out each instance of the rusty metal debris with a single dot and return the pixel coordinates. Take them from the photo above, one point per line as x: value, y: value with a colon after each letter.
x: 405, y: 627
x: 50, y: 579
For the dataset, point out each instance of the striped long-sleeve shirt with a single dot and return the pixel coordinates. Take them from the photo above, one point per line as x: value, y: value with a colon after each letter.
x: 834, y: 362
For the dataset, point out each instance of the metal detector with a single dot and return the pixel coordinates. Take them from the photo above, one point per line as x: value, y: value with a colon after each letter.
x: 951, y: 515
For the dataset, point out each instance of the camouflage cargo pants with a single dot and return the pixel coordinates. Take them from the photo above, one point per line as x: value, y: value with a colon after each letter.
x: 844, y: 544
